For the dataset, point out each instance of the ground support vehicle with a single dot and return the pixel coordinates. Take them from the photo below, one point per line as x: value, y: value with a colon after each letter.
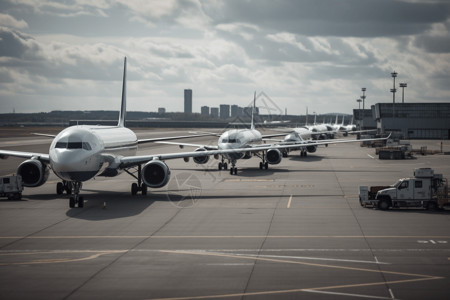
x: 11, y: 187
x: 426, y: 190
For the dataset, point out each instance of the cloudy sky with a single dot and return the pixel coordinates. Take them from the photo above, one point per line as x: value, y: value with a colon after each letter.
x: 68, y: 55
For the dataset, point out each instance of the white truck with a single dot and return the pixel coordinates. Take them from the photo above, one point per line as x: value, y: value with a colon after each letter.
x: 425, y: 189
x: 11, y: 187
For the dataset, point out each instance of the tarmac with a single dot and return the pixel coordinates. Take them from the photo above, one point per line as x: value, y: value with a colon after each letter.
x: 294, y: 231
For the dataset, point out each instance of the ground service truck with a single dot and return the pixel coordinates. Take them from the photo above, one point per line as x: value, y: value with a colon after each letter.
x: 425, y: 189
x: 11, y: 187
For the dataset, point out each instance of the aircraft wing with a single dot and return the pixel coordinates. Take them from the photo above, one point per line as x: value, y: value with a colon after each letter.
x: 207, y: 147
x: 129, y: 161
x: 152, y: 140
x: 44, y: 134
x: 361, y: 131
x: 266, y: 136
x: 40, y: 156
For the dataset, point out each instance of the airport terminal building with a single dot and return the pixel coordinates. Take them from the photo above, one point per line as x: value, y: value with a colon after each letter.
x: 414, y: 120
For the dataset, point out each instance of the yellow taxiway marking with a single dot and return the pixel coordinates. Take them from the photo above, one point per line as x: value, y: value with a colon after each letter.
x: 289, y: 203
x: 57, y: 260
x: 310, y: 290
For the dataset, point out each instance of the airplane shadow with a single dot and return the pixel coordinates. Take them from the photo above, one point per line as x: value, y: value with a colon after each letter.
x: 307, y: 159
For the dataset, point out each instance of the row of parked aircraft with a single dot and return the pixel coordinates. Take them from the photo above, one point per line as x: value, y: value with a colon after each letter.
x: 80, y: 153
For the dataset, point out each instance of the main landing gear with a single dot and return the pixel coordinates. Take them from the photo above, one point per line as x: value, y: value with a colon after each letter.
x: 303, y: 153
x: 138, y: 186
x: 263, y: 164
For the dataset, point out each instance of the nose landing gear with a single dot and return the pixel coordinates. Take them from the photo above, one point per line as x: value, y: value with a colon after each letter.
x: 75, y: 198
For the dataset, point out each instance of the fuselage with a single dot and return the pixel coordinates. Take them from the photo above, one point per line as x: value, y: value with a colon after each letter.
x: 238, y: 138
x: 79, y: 153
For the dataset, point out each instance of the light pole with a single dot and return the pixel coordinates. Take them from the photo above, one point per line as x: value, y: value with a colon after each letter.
x: 363, y: 97
x: 403, y: 85
x: 393, y: 90
x: 359, y: 112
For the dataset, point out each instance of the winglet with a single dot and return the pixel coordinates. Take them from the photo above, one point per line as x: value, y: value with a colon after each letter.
x: 252, y: 126
x: 123, y: 107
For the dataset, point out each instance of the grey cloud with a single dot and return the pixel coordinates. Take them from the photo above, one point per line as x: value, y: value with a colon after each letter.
x: 15, y: 44
x: 434, y: 44
x: 355, y: 18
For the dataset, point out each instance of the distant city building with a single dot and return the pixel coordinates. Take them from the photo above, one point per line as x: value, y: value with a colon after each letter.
x: 248, y: 111
x: 161, y: 110
x: 224, y: 111
x: 236, y: 111
x: 204, y: 110
x: 214, y: 112
x: 188, y: 101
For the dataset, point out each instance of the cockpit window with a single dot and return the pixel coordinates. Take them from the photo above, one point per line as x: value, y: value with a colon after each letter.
x: 86, y: 146
x: 231, y: 141
x: 73, y: 145
x: 61, y: 145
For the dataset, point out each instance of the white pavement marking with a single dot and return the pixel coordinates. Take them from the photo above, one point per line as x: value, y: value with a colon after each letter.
x: 370, y: 156
x: 345, y: 294
x: 289, y: 203
x: 312, y: 258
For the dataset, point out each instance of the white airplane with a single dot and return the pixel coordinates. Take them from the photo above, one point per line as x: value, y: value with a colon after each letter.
x: 250, y: 140
x: 351, y: 129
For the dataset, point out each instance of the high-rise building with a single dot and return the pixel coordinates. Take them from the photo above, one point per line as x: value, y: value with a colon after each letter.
x: 204, y: 110
x: 161, y: 110
x: 188, y: 101
x: 224, y: 111
x: 214, y: 112
x: 234, y: 111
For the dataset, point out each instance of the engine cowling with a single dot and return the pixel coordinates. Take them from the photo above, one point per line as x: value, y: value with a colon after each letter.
x: 311, y: 149
x: 273, y: 156
x: 34, y: 173
x: 155, y: 174
x: 201, y: 159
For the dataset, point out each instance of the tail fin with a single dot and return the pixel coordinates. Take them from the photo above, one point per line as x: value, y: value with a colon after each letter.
x: 123, y: 107
x: 252, y: 126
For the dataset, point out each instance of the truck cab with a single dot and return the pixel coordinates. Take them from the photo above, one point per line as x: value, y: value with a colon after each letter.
x: 408, y: 188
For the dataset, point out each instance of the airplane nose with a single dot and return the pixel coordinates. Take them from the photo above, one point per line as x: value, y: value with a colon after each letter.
x: 231, y: 155
x: 73, y: 165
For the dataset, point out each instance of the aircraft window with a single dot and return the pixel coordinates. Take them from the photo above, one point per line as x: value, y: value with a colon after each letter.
x: 233, y: 141
x: 74, y: 145
x: 86, y: 146
x: 61, y: 145
x: 224, y: 141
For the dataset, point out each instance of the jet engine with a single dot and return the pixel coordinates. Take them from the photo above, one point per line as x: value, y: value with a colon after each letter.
x: 311, y: 149
x: 201, y: 159
x: 273, y: 156
x: 34, y: 173
x: 155, y: 174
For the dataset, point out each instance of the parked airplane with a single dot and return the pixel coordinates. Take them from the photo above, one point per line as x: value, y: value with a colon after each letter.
x: 309, y: 146
x: 251, y: 140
